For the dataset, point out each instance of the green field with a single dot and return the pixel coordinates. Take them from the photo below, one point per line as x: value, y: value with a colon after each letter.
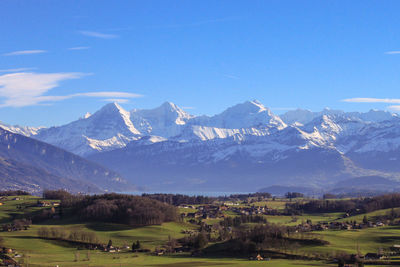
x: 40, y: 252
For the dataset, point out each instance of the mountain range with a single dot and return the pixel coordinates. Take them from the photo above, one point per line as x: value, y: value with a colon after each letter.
x: 244, y: 148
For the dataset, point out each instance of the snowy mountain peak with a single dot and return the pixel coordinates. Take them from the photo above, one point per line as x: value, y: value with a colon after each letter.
x: 181, y: 115
x: 377, y: 115
x: 305, y: 116
x: 167, y: 113
x: 114, y: 112
x: 248, y: 107
x: 23, y: 130
x: 165, y: 120
x: 243, y: 115
x: 257, y: 104
x: 111, y: 107
x: 298, y: 116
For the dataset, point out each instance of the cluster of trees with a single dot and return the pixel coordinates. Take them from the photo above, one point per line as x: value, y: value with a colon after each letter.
x: 62, y: 234
x: 359, y: 205
x: 117, y: 208
x: 329, y: 196
x: 17, y: 225
x: 196, y: 242
x: 57, y: 194
x: 291, y: 195
x: 238, y: 220
x: 320, y: 206
x: 136, y: 246
x: 177, y: 199
x: 259, y: 195
x: 13, y: 193
x: 262, y: 237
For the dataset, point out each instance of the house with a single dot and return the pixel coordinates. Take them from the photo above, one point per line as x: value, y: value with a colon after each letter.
x: 373, y: 256
x: 43, y: 204
x: 259, y: 258
x: 16, y: 198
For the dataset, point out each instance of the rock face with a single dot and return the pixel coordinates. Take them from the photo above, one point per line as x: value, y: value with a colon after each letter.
x: 29, y: 164
x: 244, y: 148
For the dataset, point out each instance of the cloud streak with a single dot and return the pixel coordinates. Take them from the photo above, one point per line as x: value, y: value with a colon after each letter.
x: 98, y: 34
x: 395, y: 108
x: 16, y: 70
x: 230, y: 76
x: 79, y: 48
x: 117, y: 100
x: 24, y: 52
x: 392, y: 52
x: 372, y: 100
x: 26, y: 89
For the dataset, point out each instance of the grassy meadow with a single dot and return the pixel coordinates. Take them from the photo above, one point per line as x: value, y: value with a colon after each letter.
x: 35, y: 251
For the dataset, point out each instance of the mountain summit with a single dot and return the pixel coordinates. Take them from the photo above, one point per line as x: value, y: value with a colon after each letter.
x: 245, y: 147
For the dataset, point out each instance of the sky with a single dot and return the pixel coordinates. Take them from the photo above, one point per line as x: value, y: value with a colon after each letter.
x: 61, y: 59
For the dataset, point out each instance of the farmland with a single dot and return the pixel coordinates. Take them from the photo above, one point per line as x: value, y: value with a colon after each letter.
x: 31, y: 249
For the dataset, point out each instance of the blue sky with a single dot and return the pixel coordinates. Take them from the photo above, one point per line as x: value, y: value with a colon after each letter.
x: 61, y: 59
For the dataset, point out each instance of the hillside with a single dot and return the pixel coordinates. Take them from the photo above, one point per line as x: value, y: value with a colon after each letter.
x: 32, y: 165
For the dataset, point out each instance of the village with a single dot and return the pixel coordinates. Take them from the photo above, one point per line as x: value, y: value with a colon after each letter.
x: 213, y: 211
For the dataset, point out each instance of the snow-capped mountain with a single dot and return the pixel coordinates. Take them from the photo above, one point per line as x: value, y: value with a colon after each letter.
x: 245, y: 147
x: 166, y: 121
x: 23, y: 130
x: 245, y: 115
x: 107, y: 129
x: 303, y: 116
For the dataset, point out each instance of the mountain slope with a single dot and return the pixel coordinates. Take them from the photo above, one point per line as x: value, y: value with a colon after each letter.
x: 245, y: 146
x: 19, y: 176
x: 65, y: 168
x: 234, y: 165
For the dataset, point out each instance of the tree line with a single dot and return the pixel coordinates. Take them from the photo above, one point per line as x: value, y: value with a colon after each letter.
x: 58, y: 233
x: 13, y: 193
x: 358, y: 205
x: 116, y: 208
x: 178, y: 199
x: 238, y: 220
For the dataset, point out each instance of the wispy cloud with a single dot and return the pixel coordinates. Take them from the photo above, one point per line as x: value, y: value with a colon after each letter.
x: 79, y: 48
x: 372, y: 100
x: 26, y: 89
x: 392, y: 52
x: 98, y: 34
x: 24, y: 52
x: 395, y: 108
x: 110, y: 94
x: 230, y: 76
x: 16, y: 70
x: 117, y: 100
